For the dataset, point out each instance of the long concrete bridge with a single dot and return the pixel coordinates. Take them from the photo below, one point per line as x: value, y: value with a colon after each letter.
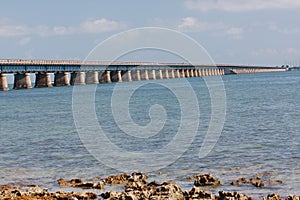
x: 94, y: 72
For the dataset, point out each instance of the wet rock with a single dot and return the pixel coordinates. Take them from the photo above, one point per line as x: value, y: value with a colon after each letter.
x: 138, y: 177
x: 116, y: 179
x: 124, y: 178
x: 240, y: 181
x: 293, y: 197
x: 152, y: 190
x: 197, y: 193
x: 273, y: 196
x: 78, y: 183
x: 233, y: 196
x: 36, y: 193
x: 206, y: 180
x: 257, y: 182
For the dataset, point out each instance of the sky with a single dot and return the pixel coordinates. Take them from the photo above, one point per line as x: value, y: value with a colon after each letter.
x: 252, y: 32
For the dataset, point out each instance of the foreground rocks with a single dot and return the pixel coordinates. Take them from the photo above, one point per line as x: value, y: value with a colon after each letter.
x: 205, y: 180
x: 256, y: 181
x: 36, y: 193
x: 135, y: 187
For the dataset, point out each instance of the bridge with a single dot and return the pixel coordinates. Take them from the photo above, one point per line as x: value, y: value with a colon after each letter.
x: 70, y: 72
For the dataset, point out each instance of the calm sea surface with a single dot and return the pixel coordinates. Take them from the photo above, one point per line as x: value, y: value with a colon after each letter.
x: 261, y: 135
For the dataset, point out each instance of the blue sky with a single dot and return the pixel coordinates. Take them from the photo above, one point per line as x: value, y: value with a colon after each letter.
x: 232, y: 31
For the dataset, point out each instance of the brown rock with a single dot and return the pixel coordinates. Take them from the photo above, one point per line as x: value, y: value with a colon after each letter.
x: 197, y: 193
x: 78, y: 183
x: 233, y: 196
x: 273, y: 196
x: 116, y: 179
x: 240, y: 181
x: 124, y: 178
x: 37, y: 193
x: 293, y: 197
x: 257, y: 182
x: 206, y: 180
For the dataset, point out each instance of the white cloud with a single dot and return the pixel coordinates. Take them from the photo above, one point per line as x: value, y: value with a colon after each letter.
x: 241, y: 5
x: 192, y: 24
x: 10, y: 28
x: 265, y: 52
x: 101, y: 25
x: 292, y: 50
x: 285, y: 30
x: 24, y: 41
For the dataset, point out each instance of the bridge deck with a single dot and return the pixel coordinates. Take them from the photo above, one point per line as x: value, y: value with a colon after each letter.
x: 31, y: 66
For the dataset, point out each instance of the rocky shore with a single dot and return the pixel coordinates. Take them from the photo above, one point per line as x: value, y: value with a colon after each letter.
x: 136, y: 187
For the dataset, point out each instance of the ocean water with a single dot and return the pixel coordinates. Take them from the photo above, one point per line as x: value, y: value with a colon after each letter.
x: 41, y: 141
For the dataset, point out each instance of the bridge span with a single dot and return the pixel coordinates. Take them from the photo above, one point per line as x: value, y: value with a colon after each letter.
x: 69, y: 72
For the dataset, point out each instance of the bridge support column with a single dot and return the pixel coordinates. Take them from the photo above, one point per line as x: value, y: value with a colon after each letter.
x: 77, y: 78
x: 153, y: 74
x: 61, y: 79
x: 107, y: 77
x: 166, y: 74
x: 196, y: 73
x: 129, y: 78
x: 200, y: 72
x: 191, y: 73
x: 119, y: 76
x: 205, y: 73
x: 160, y: 74
x: 146, y: 75
x: 216, y: 72
x: 222, y: 71
x: 42, y: 80
x: 138, y: 75
x: 172, y: 73
x: 22, y: 81
x: 3, y: 82
x: 177, y: 73
x: 92, y: 77
x: 183, y: 73
x: 187, y: 73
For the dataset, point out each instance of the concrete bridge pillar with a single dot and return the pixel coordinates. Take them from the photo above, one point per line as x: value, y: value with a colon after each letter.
x: 146, y: 75
x: 166, y: 76
x: 77, y: 78
x: 222, y: 71
x: 160, y: 74
x: 107, y: 77
x: 187, y: 74
x: 172, y: 73
x: 129, y: 78
x: 119, y: 76
x: 138, y: 75
x: 61, y: 79
x: 191, y: 73
x: 183, y: 73
x: 200, y: 72
x: 177, y: 73
x: 92, y: 77
x: 208, y: 72
x: 196, y: 73
x: 42, y: 79
x: 212, y: 72
x: 205, y: 72
x: 3, y: 82
x: 153, y: 74
x: 22, y: 81
x: 217, y: 72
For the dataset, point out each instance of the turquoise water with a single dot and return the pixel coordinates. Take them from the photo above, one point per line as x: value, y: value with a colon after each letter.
x: 39, y: 141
